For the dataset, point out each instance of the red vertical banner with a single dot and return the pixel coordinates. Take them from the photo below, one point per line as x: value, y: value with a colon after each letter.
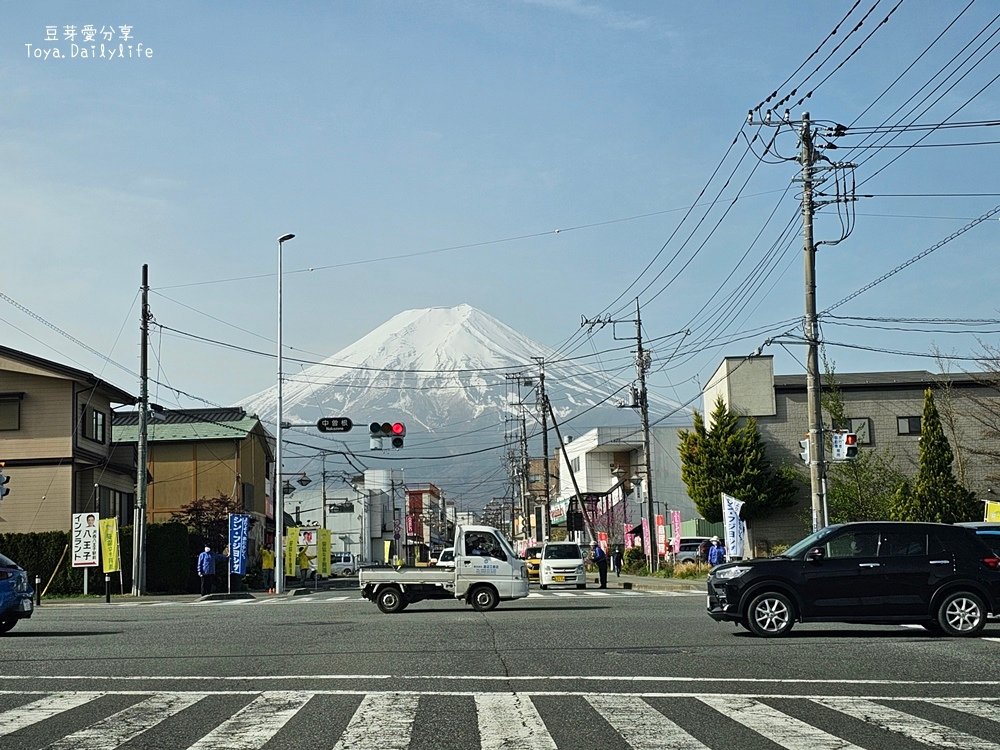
x: 661, y: 535
x: 675, y: 527
x: 646, y: 545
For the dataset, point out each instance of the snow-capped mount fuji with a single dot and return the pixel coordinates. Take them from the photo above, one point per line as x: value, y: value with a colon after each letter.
x: 445, y: 373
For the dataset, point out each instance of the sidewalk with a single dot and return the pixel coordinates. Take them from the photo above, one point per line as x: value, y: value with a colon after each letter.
x: 649, y: 583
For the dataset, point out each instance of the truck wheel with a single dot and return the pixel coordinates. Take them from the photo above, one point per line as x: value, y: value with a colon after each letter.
x: 390, y: 600
x: 484, y: 598
x: 6, y: 625
x: 961, y: 613
x: 770, y: 615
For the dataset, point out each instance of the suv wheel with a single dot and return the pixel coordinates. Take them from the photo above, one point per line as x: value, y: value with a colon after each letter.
x: 770, y: 615
x: 961, y: 613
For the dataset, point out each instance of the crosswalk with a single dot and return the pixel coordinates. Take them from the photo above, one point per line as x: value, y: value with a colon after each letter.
x: 351, y: 720
x: 355, y: 596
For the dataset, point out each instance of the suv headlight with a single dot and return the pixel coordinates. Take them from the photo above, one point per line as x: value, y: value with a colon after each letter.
x: 21, y: 582
x: 579, y: 569
x: 726, y: 573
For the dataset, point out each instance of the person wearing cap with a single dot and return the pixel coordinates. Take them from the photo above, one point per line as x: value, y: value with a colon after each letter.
x: 717, y: 552
x: 601, y: 561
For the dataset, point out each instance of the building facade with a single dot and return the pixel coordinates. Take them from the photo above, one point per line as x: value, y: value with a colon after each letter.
x: 56, y: 444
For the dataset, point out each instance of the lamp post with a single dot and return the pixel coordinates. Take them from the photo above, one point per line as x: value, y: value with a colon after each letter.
x: 279, y: 503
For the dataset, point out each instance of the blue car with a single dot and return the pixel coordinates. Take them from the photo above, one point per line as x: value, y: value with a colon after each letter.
x: 15, y: 594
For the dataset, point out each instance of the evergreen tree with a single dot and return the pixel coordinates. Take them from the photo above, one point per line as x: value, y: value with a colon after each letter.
x: 935, y: 494
x: 730, y: 458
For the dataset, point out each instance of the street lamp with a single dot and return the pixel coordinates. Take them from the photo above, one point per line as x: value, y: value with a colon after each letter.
x: 279, y: 503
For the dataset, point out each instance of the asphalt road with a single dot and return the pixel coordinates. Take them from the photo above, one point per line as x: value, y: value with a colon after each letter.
x: 560, y: 670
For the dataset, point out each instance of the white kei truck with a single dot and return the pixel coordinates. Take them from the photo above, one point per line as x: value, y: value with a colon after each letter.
x: 486, y: 572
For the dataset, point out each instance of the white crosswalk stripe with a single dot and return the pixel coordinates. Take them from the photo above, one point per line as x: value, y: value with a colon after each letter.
x: 504, y: 721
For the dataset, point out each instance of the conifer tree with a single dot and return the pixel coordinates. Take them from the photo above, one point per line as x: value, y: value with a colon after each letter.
x: 730, y: 458
x: 935, y: 494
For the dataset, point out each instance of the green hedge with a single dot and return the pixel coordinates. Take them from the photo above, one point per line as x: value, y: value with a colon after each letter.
x: 168, y: 561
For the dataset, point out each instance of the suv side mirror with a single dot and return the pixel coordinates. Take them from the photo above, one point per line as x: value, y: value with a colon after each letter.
x: 816, y: 553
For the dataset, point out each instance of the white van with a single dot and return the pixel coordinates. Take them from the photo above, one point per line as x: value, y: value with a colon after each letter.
x: 447, y: 558
x: 343, y: 564
x: 562, y: 565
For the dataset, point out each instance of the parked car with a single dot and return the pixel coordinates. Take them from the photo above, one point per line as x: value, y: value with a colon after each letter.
x: 447, y: 558
x: 692, y: 549
x: 988, y: 531
x: 562, y: 565
x: 15, y: 594
x: 940, y: 576
x: 343, y: 564
x: 533, y: 560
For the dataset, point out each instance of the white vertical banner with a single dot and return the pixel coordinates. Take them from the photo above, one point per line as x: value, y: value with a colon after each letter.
x: 735, y: 529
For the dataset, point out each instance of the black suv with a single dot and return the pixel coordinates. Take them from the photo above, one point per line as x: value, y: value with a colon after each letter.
x: 937, y: 575
x: 15, y: 594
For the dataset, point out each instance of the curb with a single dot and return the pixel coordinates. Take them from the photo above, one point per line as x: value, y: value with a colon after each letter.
x: 224, y: 597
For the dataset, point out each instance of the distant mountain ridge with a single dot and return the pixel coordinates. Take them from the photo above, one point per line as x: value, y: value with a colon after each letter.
x: 440, y: 370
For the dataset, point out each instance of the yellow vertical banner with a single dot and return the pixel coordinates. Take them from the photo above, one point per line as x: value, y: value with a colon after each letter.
x: 323, y: 544
x: 108, y: 530
x: 388, y: 550
x: 291, y: 550
x: 993, y: 512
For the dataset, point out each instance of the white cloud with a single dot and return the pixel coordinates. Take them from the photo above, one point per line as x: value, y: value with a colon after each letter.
x: 597, y: 13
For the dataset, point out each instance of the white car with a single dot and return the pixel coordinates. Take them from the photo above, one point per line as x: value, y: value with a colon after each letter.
x: 562, y: 565
x: 447, y: 558
x: 343, y: 564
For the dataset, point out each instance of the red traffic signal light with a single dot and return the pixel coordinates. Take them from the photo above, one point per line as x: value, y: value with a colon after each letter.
x: 394, y: 430
x: 851, y: 445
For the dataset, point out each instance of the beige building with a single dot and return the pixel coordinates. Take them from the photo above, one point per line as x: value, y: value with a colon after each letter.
x: 884, y: 409
x: 55, y: 442
x: 196, y: 453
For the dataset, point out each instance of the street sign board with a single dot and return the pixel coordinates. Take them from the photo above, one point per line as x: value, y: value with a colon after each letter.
x: 334, y: 424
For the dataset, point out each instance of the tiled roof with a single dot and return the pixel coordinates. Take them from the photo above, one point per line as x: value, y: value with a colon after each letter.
x: 185, y: 424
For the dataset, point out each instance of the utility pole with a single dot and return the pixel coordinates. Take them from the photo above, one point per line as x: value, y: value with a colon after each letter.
x: 640, y: 401
x: 139, y: 516
x: 323, y: 471
x: 817, y: 464
x: 544, y: 400
x: 642, y: 363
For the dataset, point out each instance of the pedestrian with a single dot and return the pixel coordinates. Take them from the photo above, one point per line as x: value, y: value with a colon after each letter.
x: 717, y: 552
x: 267, y: 567
x: 601, y: 560
x: 303, y: 561
x: 616, y: 561
x: 206, y: 570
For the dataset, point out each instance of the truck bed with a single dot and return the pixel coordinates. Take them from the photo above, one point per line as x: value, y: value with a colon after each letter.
x: 408, y: 576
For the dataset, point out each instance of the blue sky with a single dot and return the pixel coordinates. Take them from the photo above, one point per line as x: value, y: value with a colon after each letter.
x: 424, y: 153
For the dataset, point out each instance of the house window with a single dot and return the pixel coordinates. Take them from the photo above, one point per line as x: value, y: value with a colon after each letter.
x: 97, y: 421
x: 908, y: 425
x: 10, y: 414
x: 575, y: 464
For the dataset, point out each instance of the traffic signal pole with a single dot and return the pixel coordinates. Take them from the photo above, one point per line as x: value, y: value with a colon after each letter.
x: 817, y: 463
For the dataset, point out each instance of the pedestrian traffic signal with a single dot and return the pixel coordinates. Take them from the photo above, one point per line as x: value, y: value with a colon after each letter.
x: 804, y: 453
x: 395, y: 431
x: 4, y: 479
x: 850, y: 445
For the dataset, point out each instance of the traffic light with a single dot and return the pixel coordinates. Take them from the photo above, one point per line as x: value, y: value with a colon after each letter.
x: 804, y: 453
x: 4, y: 479
x: 395, y: 431
x: 850, y: 445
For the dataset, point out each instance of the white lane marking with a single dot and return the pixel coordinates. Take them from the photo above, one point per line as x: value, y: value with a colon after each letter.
x: 780, y: 728
x: 383, y: 720
x: 127, y: 724
x: 256, y: 723
x: 979, y: 708
x: 510, y: 721
x: 41, y: 709
x: 599, y: 593
x: 641, y: 725
x: 914, y: 727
